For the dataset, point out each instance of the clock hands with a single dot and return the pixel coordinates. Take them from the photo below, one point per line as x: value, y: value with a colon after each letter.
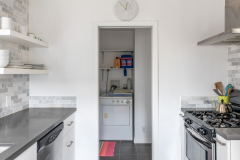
x: 123, y: 6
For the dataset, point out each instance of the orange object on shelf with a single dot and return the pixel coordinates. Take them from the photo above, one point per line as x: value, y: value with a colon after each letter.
x: 117, y: 62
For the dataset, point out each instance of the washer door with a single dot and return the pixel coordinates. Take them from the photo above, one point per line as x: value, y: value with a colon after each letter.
x: 116, y: 115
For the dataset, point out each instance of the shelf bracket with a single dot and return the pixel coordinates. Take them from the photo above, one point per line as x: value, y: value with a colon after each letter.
x: 102, y: 74
x: 102, y: 57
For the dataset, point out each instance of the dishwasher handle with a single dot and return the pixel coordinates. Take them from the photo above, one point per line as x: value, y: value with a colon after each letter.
x: 49, y: 138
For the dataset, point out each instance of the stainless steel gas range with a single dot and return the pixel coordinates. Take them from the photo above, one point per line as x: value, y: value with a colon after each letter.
x: 200, y: 132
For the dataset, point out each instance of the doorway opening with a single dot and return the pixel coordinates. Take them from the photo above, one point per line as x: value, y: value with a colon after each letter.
x: 126, y: 82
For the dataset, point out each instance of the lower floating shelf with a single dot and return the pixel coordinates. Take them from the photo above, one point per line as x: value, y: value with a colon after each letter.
x: 115, y: 68
x: 22, y: 71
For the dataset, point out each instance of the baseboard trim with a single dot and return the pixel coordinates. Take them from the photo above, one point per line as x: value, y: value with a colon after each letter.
x: 145, y: 140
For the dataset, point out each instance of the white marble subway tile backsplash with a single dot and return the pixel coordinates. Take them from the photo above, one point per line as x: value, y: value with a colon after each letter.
x: 234, y: 66
x: 16, y: 87
x: 198, y: 101
x: 53, y: 102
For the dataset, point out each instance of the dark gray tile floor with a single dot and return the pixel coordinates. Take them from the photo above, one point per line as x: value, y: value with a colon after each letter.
x: 127, y: 150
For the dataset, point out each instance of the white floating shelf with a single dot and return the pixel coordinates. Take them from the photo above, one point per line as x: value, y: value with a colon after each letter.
x: 22, y: 71
x: 115, y: 68
x: 15, y: 37
x: 116, y: 50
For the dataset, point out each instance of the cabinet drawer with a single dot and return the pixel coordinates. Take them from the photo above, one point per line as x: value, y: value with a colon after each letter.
x: 69, y: 123
x: 68, y: 143
x: 71, y: 156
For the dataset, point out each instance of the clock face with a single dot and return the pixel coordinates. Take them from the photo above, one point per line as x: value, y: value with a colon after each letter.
x: 126, y: 9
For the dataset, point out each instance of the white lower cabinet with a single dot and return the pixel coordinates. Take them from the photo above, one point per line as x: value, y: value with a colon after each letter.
x: 183, y: 149
x: 29, y: 154
x: 228, y: 151
x: 223, y: 152
x: 69, y: 138
x: 72, y: 155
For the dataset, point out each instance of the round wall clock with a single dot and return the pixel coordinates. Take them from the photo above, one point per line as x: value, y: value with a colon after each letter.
x: 126, y: 9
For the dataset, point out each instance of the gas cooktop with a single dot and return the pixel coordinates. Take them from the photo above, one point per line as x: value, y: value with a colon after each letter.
x: 215, y: 120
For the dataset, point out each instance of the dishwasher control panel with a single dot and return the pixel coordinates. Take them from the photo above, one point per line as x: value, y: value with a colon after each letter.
x: 124, y: 101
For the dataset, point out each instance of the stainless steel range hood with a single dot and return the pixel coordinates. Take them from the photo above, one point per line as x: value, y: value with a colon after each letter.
x: 231, y: 35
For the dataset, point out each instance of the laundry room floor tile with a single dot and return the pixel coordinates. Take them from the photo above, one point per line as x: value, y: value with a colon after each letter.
x: 127, y: 144
x: 144, y: 157
x: 144, y: 145
x: 115, y: 157
x: 144, y: 151
x: 128, y: 151
x: 128, y: 157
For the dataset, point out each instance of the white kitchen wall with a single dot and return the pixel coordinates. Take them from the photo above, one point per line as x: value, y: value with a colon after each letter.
x: 142, y: 96
x: 184, y: 68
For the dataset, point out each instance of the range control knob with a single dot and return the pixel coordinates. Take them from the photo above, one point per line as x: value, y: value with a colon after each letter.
x: 112, y: 101
x: 127, y: 101
x: 202, y: 131
x: 117, y: 101
x: 188, y: 121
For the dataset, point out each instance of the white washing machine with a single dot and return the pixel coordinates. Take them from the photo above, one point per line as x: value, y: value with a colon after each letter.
x: 116, y: 118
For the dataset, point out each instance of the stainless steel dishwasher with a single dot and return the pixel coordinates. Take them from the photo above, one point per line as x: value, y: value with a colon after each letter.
x: 50, y: 146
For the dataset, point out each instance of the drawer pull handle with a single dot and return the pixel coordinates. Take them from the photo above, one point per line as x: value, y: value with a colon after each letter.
x: 181, y: 115
x: 70, y: 123
x: 71, y: 142
x: 223, y: 144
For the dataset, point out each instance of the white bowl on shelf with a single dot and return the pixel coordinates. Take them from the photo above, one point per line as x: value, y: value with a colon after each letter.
x: 6, y: 26
x: 4, y: 57
x: 4, y: 53
x: 23, y: 30
x: 4, y: 63
x: 6, y: 20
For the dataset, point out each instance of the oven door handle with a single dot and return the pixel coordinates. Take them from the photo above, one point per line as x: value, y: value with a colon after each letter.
x: 198, y: 140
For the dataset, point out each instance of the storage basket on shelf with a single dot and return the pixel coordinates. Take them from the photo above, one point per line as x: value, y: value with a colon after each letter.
x: 127, y: 62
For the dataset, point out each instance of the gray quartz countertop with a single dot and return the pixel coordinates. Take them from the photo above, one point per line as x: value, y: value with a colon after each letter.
x: 227, y: 133
x: 24, y: 128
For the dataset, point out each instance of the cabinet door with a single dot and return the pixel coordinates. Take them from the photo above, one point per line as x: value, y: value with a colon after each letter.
x: 235, y: 145
x: 223, y: 152
x: 183, y: 138
x: 29, y: 154
x: 72, y: 155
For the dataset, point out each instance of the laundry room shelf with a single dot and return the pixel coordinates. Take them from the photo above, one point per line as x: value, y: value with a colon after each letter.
x: 116, y: 50
x: 115, y: 68
x: 22, y: 71
x: 15, y: 37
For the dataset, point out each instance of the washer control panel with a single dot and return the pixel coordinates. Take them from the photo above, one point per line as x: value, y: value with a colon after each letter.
x: 115, y: 101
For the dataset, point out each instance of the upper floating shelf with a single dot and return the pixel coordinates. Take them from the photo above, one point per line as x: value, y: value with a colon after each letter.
x: 116, y: 50
x: 22, y: 71
x: 15, y: 37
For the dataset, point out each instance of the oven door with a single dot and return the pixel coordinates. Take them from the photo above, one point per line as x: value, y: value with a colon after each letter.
x: 198, y: 148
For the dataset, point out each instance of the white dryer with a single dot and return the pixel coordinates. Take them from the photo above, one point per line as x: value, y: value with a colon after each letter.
x: 116, y: 118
